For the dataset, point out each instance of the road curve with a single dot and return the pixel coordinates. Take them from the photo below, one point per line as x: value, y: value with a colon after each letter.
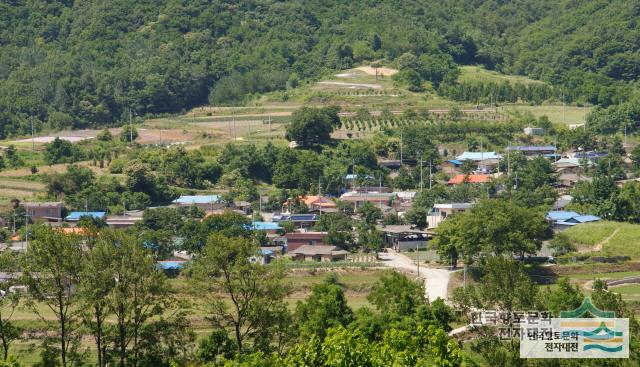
x: 436, y: 281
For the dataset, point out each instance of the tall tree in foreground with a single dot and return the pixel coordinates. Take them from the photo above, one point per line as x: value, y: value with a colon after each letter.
x: 97, y: 282
x: 326, y: 307
x: 52, y: 271
x: 8, y: 303
x: 139, y: 294
x: 256, y: 292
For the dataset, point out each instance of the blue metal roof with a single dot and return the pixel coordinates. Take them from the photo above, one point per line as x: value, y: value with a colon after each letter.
x: 265, y: 226
x: 295, y: 217
x: 590, y: 155
x: 455, y: 161
x: 170, y: 265
x: 584, y: 219
x: 561, y: 215
x: 197, y: 199
x: 478, y: 156
x: 352, y: 176
x: 530, y: 148
x: 78, y: 215
x: 267, y: 252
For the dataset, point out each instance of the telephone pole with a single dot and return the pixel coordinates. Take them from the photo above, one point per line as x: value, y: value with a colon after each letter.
x: 33, y: 142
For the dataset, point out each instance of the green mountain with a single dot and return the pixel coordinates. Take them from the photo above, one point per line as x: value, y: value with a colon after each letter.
x: 86, y: 63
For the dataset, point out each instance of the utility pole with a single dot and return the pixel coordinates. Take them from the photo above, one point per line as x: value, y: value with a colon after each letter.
x: 26, y: 229
x: 420, y: 171
x: 401, y: 147
x: 564, y: 120
x: 269, y: 123
x: 380, y: 191
x: 430, y: 173
x: 418, y: 258
x: 465, y: 276
x: 130, y: 128
x: 509, y: 160
x: 33, y: 142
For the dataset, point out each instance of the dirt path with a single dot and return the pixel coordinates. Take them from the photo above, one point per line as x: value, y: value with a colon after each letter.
x: 436, y: 280
x: 599, y: 245
x: 351, y: 85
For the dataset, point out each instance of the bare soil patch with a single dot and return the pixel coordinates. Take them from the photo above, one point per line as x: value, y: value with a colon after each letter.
x: 381, y: 71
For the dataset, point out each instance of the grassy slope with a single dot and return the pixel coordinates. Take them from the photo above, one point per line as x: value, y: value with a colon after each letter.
x: 480, y: 74
x: 625, y: 242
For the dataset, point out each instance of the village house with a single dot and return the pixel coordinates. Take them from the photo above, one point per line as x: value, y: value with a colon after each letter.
x: 451, y: 167
x: 532, y: 150
x: 403, y: 237
x: 440, y: 212
x: 122, y: 221
x: 298, y: 220
x: 321, y: 253
x: 317, y: 203
x: 76, y: 216
x: 294, y: 240
x: 268, y: 227
x: 561, y: 220
x: 378, y: 198
x: 204, y: 202
x: 51, y: 211
x: 571, y: 165
x: 484, y: 161
x: 469, y: 179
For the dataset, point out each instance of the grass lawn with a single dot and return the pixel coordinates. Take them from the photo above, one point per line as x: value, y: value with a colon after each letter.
x: 630, y: 292
x: 555, y: 113
x: 480, y: 74
x: 617, y: 239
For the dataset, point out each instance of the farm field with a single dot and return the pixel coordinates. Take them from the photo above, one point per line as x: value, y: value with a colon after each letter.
x: 356, y: 284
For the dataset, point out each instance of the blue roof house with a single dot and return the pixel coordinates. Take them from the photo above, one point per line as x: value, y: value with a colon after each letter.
x: 75, y: 216
x: 206, y: 202
x: 265, y: 226
x: 563, y: 220
x: 560, y: 216
x: 478, y: 156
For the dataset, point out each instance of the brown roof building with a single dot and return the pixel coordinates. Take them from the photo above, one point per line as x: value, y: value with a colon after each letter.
x: 51, y: 211
x: 297, y: 239
x: 319, y: 253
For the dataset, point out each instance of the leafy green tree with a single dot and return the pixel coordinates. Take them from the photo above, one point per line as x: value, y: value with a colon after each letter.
x: 563, y: 297
x: 216, y: 347
x: 256, y: 291
x: 310, y: 126
x: 139, y: 294
x: 560, y: 244
x: 504, y: 285
x: 490, y: 227
x: 62, y: 151
x: 9, y: 330
x: 96, y: 284
x: 396, y: 294
x: 326, y: 307
x: 54, y: 253
x: 128, y: 134
x: 369, y: 213
x: 104, y: 135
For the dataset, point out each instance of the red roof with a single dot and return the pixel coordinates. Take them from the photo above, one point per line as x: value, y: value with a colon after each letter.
x: 459, y: 179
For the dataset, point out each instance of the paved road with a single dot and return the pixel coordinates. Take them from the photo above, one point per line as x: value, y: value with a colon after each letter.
x: 436, y: 280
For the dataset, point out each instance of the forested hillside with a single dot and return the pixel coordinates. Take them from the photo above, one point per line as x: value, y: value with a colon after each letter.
x: 71, y: 63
